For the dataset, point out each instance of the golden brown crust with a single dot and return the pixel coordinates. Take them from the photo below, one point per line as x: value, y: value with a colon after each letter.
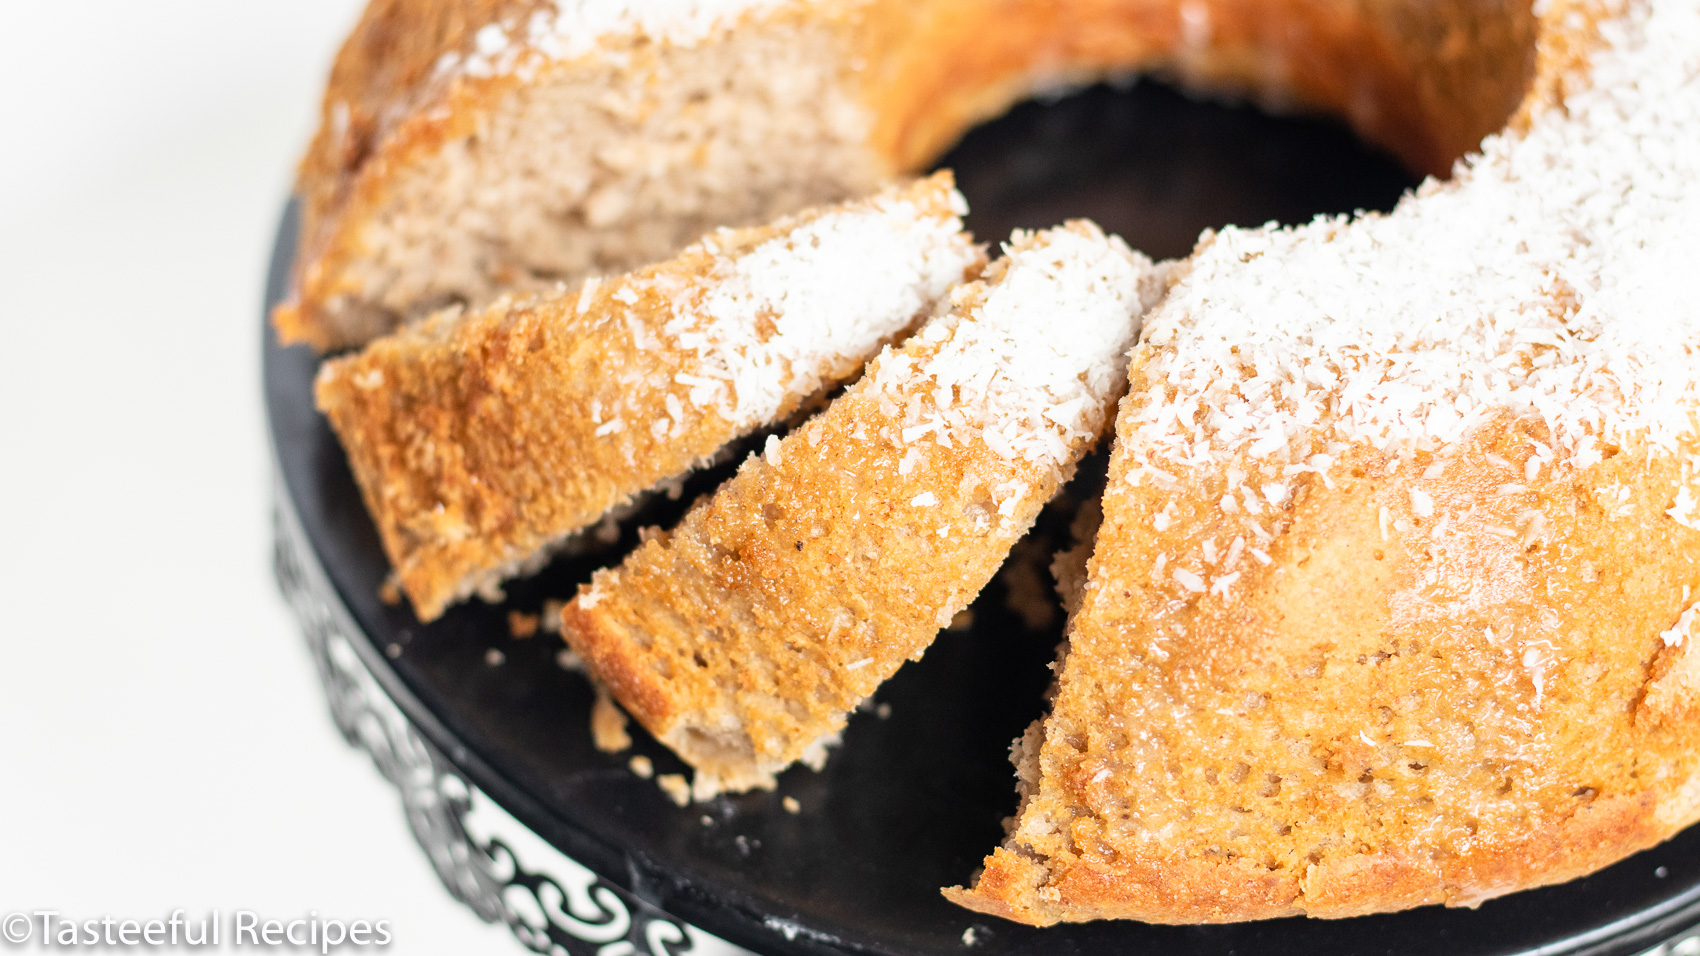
x: 1179, y: 890
x: 1425, y: 81
x: 474, y: 450
x: 480, y: 442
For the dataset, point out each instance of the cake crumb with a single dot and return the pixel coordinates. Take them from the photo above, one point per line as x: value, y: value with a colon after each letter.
x: 1068, y: 571
x: 642, y: 766
x: 1026, y: 592
x: 607, y: 531
x: 1068, y: 567
x: 394, y: 651
x: 963, y: 620
x: 791, y: 805
x: 673, y: 488
x: 550, y: 623
x: 390, y: 591
x: 494, y: 657
x: 568, y: 660
x: 969, y: 937
x: 674, y: 785
x: 815, y: 754
x: 522, y: 625
x: 608, y: 724
x: 879, y: 709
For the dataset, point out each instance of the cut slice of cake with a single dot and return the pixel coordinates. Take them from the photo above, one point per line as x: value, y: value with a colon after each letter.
x: 1393, y: 601
x: 743, y: 637
x: 481, y: 442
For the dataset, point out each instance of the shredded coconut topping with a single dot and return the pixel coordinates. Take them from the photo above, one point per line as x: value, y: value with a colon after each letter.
x: 1549, y: 280
x: 1028, y: 360
x: 1683, y: 628
x: 1686, y: 509
x: 768, y: 324
x: 568, y: 29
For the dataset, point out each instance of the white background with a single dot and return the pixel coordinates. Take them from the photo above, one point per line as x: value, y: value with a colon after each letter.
x: 163, y: 742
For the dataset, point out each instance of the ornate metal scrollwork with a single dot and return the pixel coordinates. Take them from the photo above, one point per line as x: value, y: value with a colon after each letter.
x: 556, y: 906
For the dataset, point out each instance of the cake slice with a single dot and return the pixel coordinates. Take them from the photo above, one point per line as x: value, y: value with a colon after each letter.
x: 743, y: 637
x: 1393, y: 601
x: 482, y: 442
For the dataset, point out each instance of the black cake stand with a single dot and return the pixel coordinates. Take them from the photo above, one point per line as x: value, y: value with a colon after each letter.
x: 486, y: 735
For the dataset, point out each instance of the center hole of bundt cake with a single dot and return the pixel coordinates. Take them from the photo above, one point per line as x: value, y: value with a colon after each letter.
x: 1158, y: 167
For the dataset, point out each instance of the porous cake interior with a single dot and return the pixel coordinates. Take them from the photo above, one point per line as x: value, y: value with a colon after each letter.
x: 612, y: 164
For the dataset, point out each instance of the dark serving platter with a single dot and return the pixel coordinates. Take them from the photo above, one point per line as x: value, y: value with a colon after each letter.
x: 913, y: 799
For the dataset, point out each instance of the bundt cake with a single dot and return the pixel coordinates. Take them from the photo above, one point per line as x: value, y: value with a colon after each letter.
x: 481, y: 442
x: 1393, y: 599
x: 469, y: 147
x: 744, y: 637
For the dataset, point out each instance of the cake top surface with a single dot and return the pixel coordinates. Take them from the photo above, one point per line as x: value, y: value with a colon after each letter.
x: 835, y: 286
x: 1028, y: 358
x: 1547, y: 279
x: 566, y: 29
x: 767, y: 320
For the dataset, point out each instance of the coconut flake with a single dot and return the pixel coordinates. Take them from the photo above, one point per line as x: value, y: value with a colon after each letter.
x: 1683, y: 628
